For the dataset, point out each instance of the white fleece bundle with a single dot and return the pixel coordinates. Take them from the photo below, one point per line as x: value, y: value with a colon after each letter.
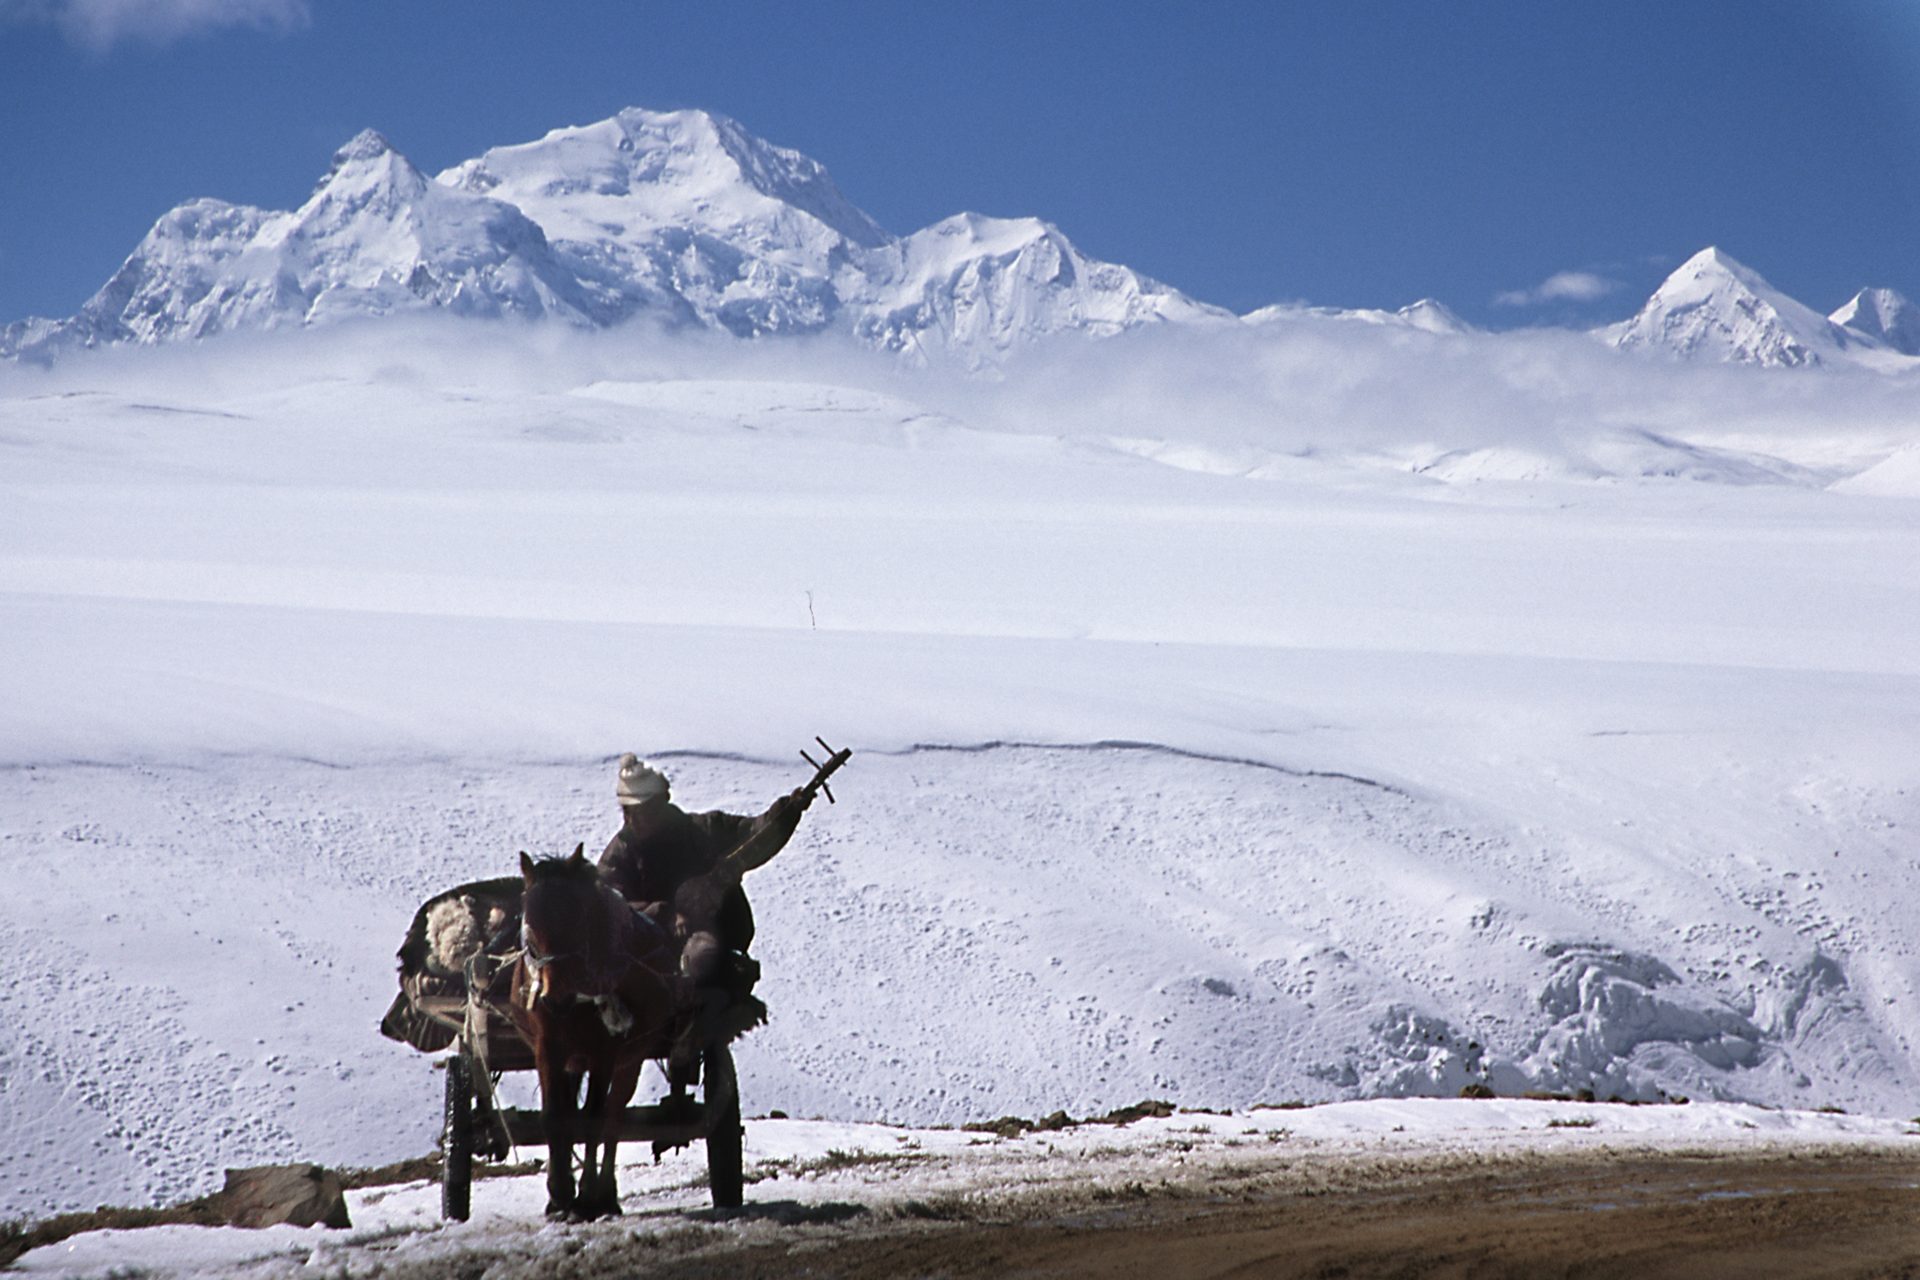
x: 455, y: 934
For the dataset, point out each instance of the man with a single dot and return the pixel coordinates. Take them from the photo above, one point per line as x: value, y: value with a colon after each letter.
x: 683, y: 870
x: 675, y: 865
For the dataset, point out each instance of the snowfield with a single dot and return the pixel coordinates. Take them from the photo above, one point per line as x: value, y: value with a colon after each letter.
x: 1225, y: 748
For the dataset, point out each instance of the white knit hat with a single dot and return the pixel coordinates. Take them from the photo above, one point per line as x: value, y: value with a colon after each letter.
x: 639, y: 781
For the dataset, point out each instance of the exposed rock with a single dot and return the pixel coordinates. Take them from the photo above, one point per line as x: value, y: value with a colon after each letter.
x: 302, y: 1195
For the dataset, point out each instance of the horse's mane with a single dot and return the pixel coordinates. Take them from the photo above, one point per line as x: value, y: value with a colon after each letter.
x: 565, y: 867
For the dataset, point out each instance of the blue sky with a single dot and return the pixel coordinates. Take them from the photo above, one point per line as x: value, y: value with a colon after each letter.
x: 1347, y: 153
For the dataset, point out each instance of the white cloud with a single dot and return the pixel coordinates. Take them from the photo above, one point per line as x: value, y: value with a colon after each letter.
x: 1561, y: 286
x: 1250, y: 396
x: 101, y: 24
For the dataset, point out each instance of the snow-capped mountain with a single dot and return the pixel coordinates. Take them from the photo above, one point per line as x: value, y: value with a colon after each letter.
x: 1431, y: 316
x: 376, y: 237
x: 1428, y: 315
x: 985, y: 284
x: 685, y: 215
x: 1716, y: 308
x: 681, y: 216
x: 688, y: 220
x: 1884, y: 315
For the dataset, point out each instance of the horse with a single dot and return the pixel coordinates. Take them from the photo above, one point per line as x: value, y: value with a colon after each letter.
x: 589, y: 995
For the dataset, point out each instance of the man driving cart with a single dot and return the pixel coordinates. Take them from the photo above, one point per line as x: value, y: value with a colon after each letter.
x: 683, y: 870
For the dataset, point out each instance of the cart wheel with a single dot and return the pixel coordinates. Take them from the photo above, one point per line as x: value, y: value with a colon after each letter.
x: 721, y: 1094
x: 456, y: 1143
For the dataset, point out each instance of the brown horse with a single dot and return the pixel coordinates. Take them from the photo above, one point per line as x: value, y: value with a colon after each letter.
x: 588, y: 997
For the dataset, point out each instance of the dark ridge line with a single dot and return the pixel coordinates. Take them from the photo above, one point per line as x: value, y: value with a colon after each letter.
x: 1161, y: 748
x: 697, y: 753
x: 191, y: 413
x: 318, y: 763
x: 202, y: 764
x: 1012, y: 744
x: 736, y: 757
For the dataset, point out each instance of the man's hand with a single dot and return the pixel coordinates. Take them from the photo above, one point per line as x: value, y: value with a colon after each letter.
x: 799, y: 798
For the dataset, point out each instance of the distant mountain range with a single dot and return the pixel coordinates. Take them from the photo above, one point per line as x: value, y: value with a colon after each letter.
x: 686, y: 219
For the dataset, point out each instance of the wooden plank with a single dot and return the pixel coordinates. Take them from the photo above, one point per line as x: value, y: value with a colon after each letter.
x: 642, y: 1124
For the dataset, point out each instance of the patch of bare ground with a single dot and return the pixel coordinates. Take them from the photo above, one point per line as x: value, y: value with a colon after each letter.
x: 19, y: 1236
x: 1700, y: 1216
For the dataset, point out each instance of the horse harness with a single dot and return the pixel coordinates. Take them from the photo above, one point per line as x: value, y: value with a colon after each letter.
x: 598, y: 982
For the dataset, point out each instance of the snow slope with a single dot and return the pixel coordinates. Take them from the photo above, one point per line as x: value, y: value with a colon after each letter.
x: 1332, y: 781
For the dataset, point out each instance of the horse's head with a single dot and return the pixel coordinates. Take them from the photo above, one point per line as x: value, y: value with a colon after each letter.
x: 562, y: 923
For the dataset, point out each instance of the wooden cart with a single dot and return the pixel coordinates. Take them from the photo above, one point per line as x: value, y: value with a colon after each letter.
x: 469, y: 1013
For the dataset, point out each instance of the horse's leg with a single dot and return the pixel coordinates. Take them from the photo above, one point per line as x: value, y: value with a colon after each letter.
x: 623, y: 1080
x: 592, y: 1202
x: 557, y: 1089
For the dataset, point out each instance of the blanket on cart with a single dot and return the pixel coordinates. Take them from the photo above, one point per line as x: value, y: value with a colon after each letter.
x: 448, y: 930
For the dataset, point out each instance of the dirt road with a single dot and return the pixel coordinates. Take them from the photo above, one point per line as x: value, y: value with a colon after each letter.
x: 1700, y: 1217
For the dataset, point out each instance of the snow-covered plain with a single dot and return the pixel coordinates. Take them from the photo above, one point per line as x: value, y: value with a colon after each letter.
x: 1305, y: 712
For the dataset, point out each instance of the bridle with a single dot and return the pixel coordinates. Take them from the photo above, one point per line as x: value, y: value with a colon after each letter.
x: 594, y: 980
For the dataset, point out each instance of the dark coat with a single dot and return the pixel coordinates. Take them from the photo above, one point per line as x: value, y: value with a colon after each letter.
x: 649, y: 866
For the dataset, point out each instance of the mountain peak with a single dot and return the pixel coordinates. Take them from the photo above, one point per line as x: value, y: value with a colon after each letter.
x: 368, y: 164
x: 1884, y: 315
x: 1715, y: 261
x: 982, y: 228
x: 1715, y: 307
x: 367, y: 177
x: 777, y: 173
x: 368, y: 144
x: 649, y: 168
x: 1433, y: 316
